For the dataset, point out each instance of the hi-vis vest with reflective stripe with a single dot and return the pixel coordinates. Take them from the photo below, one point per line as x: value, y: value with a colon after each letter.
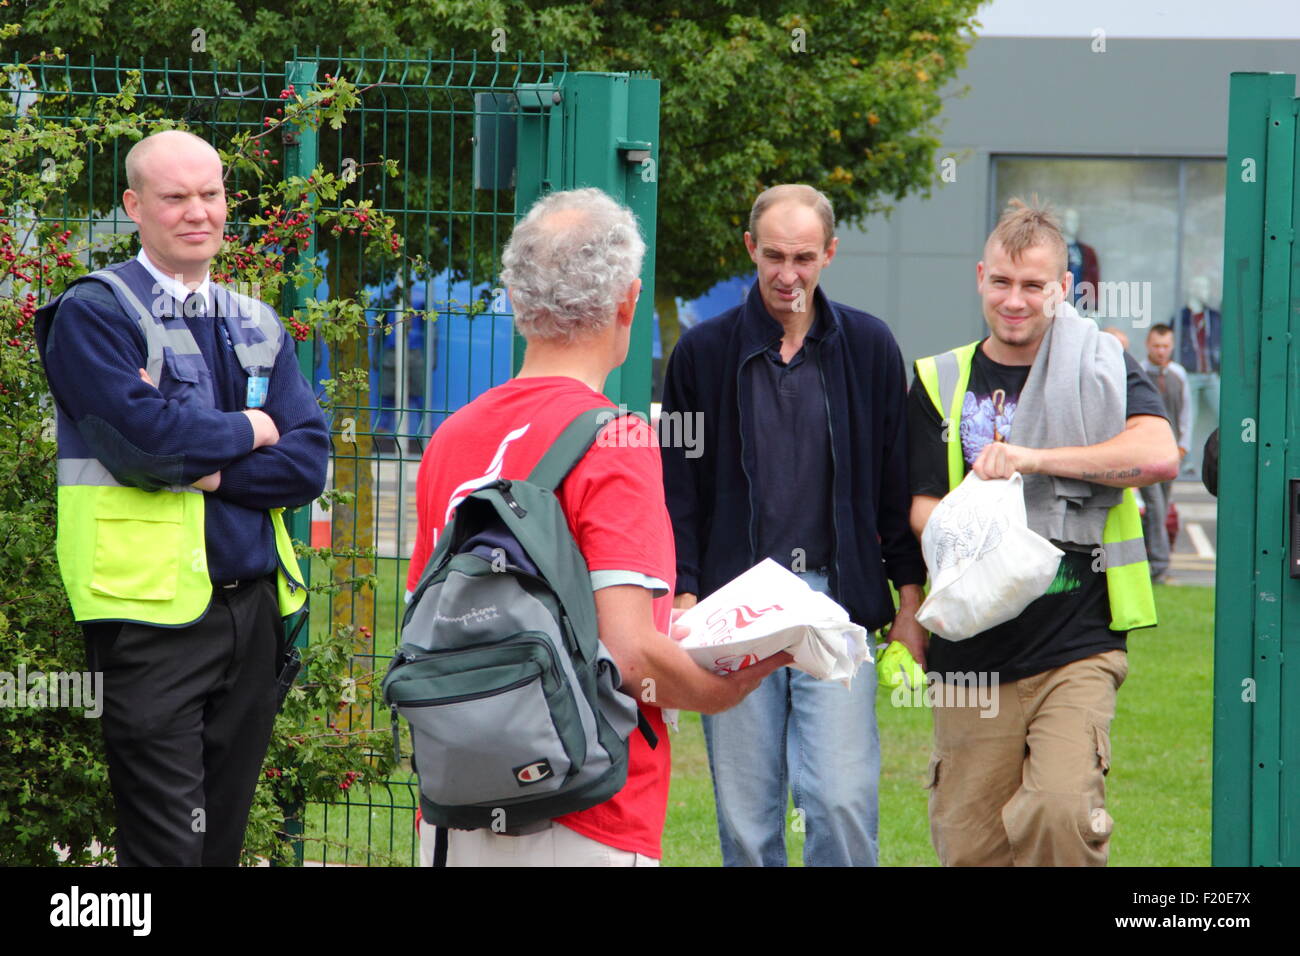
x: 132, y: 555
x: 1128, y: 576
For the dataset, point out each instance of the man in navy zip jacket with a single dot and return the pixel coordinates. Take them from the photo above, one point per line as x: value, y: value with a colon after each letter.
x: 183, y: 424
x: 804, y: 461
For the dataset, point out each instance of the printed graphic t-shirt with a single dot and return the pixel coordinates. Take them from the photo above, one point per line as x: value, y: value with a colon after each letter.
x: 614, y: 501
x: 1071, y: 620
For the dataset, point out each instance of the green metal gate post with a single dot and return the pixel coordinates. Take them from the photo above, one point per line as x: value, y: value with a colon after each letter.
x: 602, y: 130
x: 640, y: 169
x: 301, y: 150
x: 1257, y: 614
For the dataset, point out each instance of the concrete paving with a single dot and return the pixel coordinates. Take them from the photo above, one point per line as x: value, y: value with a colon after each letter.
x: 1193, y: 558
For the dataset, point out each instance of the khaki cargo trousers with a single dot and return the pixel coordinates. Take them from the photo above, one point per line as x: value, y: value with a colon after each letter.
x: 1026, y: 786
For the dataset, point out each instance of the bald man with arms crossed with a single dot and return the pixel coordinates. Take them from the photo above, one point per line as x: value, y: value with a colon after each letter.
x: 184, y: 429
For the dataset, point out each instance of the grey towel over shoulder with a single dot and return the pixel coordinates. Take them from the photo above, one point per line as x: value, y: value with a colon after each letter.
x: 1076, y: 394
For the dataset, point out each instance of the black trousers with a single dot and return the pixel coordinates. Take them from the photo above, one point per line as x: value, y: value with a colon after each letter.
x: 187, y: 719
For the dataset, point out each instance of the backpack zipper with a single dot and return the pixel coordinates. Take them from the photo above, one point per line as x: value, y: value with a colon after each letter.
x: 509, y: 499
x: 477, y: 695
x: 406, y: 657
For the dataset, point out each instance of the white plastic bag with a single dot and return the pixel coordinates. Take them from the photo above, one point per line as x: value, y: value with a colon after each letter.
x: 985, y: 565
x: 767, y: 610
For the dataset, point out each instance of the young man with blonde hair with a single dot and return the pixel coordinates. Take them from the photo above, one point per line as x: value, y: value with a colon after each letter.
x: 1046, y: 395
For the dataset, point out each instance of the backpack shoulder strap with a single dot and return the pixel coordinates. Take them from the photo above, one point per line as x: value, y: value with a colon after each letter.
x: 567, y: 450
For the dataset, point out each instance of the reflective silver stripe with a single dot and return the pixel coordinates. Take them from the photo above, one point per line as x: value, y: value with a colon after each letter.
x: 156, y: 335
x: 253, y: 314
x: 115, y: 280
x: 90, y: 471
x: 179, y: 341
x: 84, y: 471
x: 947, y: 371
x: 256, y: 353
x: 1120, y: 553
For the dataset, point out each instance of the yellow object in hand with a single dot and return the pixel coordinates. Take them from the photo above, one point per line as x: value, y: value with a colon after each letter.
x: 897, y: 667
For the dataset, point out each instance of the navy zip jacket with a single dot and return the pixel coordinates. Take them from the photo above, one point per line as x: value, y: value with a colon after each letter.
x: 709, y: 497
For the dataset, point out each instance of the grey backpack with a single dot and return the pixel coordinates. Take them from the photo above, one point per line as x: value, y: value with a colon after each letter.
x: 512, y: 699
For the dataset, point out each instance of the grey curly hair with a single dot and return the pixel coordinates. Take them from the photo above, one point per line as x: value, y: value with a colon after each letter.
x: 569, y: 262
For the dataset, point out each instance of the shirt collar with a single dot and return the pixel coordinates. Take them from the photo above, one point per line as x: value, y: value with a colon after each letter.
x: 759, y: 329
x: 174, y: 287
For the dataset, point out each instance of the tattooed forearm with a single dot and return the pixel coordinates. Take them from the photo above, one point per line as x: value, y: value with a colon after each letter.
x: 1111, y: 475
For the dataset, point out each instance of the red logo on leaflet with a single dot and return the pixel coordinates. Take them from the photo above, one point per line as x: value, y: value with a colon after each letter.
x: 733, y: 662
x: 744, y: 616
x: 744, y: 609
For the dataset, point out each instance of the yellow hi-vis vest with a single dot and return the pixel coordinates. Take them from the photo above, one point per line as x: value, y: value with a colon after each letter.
x: 126, y: 554
x: 1128, y: 576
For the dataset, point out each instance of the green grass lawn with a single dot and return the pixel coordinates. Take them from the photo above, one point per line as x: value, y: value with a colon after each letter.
x: 1158, y: 789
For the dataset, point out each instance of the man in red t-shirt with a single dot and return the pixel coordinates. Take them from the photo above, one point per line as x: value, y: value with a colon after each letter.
x: 572, y: 268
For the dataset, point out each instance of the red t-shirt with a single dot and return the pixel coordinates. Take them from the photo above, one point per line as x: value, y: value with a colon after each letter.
x: 614, y: 501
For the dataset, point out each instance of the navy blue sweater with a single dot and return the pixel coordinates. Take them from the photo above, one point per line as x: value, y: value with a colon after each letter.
x: 710, y: 497
x: 93, y: 355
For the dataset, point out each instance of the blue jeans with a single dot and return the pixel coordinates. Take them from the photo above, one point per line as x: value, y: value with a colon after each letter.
x: 815, y: 737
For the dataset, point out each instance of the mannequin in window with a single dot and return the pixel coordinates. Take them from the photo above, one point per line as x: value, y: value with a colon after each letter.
x: 1200, y: 341
x: 1081, y: 257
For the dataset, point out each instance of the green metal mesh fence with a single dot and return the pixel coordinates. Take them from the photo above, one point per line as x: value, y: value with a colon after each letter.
x: 439, y: 328
x: 441, y: 335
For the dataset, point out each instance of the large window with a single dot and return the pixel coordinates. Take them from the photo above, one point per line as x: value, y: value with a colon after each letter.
x: 1143, y: 228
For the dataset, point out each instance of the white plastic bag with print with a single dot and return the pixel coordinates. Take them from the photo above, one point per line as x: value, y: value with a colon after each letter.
x: 985, y: 564
x: 767, y: 610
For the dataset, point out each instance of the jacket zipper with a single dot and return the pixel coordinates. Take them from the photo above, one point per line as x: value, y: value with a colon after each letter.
x: 749, y: 482
x: 830, y: 431
x: 294, y: 584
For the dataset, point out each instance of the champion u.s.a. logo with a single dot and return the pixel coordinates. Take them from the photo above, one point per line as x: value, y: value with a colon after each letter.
x: 534, y: 772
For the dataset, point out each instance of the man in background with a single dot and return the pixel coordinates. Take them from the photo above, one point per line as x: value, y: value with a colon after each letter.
x: 1170, y: 380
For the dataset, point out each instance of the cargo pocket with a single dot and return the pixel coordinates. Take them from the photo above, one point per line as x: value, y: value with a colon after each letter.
x: 932, y: 772
x: 1102, y: 738
x: 185, y: 378
x: 137, y: 544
